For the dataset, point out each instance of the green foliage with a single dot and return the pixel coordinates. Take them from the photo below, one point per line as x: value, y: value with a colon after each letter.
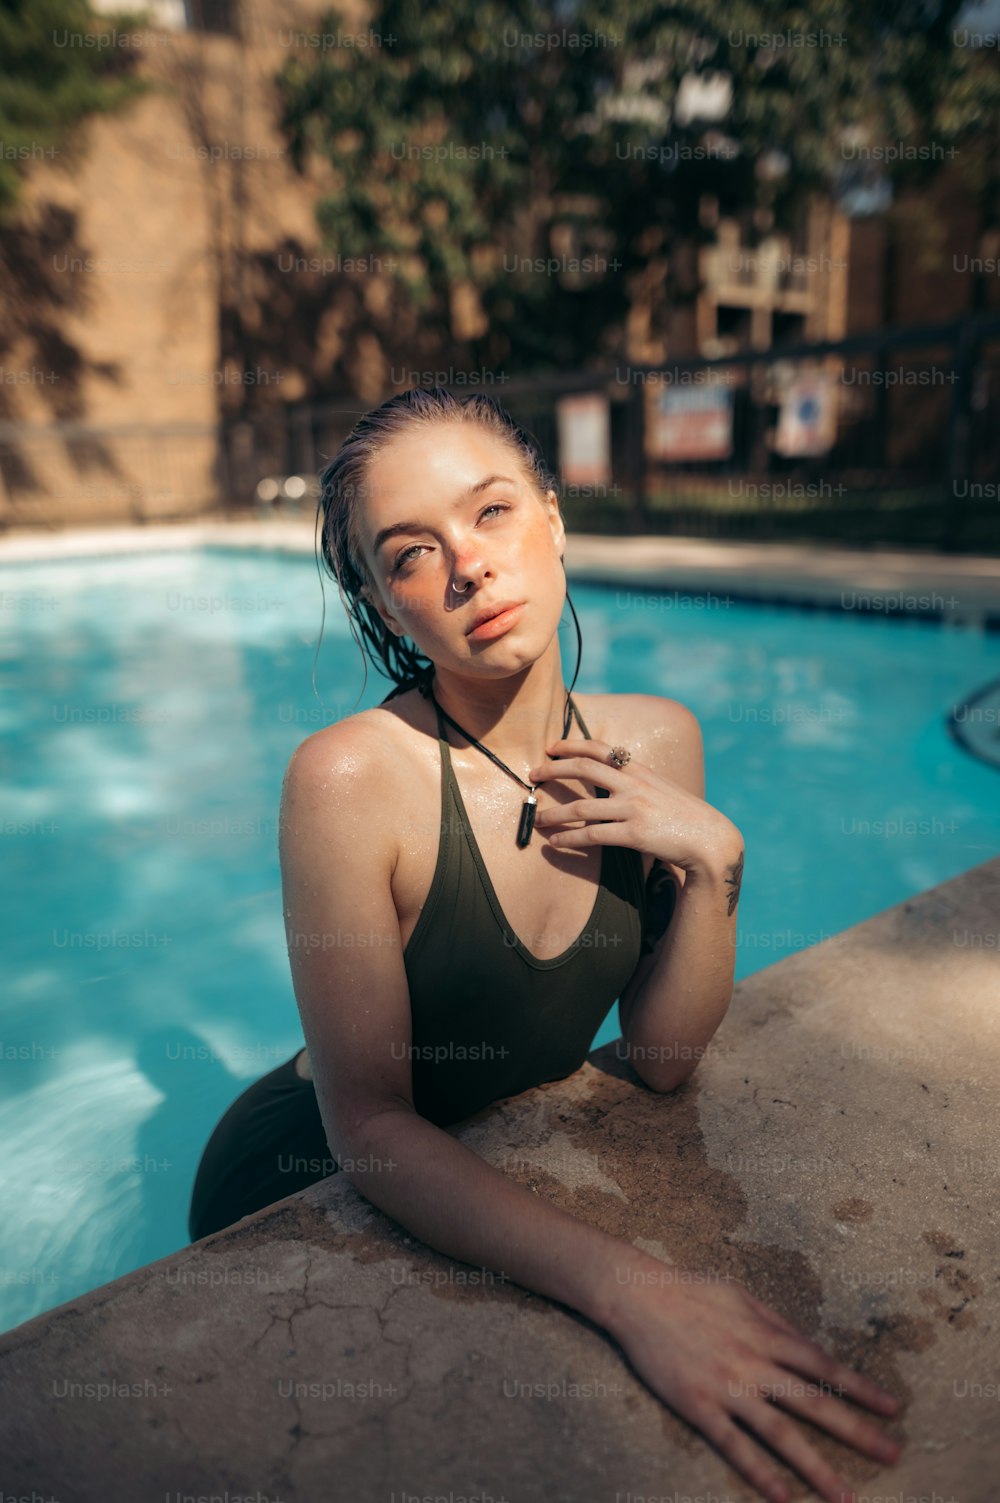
x: 54, y: 71
x: 455, y: 145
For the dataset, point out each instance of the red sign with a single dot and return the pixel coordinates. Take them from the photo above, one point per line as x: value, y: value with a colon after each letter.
x: 693, y: 423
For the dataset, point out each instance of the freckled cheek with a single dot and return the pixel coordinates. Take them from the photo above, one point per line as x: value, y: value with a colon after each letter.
x: 415, y: 607
x: 535, y: 547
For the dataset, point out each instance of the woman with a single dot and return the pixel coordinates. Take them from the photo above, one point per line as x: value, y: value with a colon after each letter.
x: 472, y: 873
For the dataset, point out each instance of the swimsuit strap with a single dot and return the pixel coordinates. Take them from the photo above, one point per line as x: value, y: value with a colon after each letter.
x: 580, y: 720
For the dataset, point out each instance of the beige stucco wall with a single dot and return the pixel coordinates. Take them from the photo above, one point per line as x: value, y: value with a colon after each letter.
x: 168, y: 204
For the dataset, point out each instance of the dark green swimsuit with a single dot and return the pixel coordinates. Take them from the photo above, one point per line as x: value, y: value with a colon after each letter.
x: 489, y: 1019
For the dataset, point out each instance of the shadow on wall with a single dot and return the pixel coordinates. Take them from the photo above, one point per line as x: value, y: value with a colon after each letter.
x: 37, y: 260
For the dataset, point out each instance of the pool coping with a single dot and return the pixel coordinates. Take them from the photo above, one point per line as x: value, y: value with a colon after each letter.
x: 865, y: 1063
x: 959, y: 589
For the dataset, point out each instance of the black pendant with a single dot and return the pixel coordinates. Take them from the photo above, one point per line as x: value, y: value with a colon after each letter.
x: 527, y: 824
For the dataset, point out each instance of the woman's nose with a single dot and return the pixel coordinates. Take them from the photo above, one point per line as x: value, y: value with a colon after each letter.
x: 469, y: 568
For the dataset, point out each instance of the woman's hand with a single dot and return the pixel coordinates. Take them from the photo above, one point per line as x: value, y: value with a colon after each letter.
x: 716, y: 1355
x: 645, y: 811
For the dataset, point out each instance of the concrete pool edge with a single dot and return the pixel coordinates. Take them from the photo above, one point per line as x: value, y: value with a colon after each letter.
x: 957, y: 588
x: 834, y: 1151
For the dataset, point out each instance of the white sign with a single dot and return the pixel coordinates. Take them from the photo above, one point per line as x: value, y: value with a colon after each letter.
x: 584, y: 439
x: 807, y: 423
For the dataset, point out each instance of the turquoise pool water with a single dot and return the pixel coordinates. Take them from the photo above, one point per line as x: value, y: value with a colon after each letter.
x: 151, y: 705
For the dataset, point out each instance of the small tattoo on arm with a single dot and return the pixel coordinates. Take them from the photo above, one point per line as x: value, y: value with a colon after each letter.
x: 734, y: 880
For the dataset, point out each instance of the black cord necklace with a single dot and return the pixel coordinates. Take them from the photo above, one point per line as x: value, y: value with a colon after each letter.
x: 530, y: 804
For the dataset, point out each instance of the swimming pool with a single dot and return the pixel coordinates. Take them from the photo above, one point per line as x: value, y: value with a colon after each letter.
x: 153, y: 701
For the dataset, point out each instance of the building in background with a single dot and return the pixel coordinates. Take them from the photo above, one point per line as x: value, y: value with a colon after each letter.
x: 182, y: 278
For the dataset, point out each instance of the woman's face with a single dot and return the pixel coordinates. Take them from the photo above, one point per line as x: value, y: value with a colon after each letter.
x: 458, y: 550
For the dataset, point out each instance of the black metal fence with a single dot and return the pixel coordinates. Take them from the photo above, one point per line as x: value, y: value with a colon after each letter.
x: 915, y: 460
x: 74, y: 472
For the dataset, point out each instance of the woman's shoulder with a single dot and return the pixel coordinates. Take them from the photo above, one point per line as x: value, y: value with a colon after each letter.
x: 660, y: 732
x: 371, y: 745
x: 613, y: 714
x: 365, y: 744
x: 355, y: 773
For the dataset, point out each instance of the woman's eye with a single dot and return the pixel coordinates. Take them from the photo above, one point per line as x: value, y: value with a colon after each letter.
x: 404, y: 557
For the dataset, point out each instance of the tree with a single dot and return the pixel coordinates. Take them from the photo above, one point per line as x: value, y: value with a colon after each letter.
x: 544, y: 160
x: 55, y: 69
x: 51, y: 79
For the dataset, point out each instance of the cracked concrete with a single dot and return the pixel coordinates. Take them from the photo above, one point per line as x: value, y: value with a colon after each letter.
x: 836, y: 1151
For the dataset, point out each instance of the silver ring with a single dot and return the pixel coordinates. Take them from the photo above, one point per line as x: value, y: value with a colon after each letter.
x: 619, y: 756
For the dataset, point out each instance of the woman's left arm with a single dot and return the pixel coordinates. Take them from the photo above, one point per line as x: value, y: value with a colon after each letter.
x: 679, y: 993
x: 683, y: 983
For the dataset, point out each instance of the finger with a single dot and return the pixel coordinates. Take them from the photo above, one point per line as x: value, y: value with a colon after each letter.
x: 582, y: 837
x: 589, y: 769
x: 822, y: 1408
x: 576, y: 745
x: 576, y: 809
x: 785, y: 1437
x: 808, y: 1357
x: 600, y: 751
x: 741, y: 1452
x: 773, y: 1316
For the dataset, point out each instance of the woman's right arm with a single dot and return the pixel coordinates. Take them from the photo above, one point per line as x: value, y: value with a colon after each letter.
x: 710, y: 1351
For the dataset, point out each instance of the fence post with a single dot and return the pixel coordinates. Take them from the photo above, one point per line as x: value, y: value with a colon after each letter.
x: 960, y: 432
x: 881, y: 370
x: 239, y: 451
x: 758, y: 453
x: 636, y: 518
x: 136, y: 508
x: 304, y: 449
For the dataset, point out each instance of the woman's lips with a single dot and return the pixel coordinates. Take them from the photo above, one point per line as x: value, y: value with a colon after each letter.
x: 496, y: 625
